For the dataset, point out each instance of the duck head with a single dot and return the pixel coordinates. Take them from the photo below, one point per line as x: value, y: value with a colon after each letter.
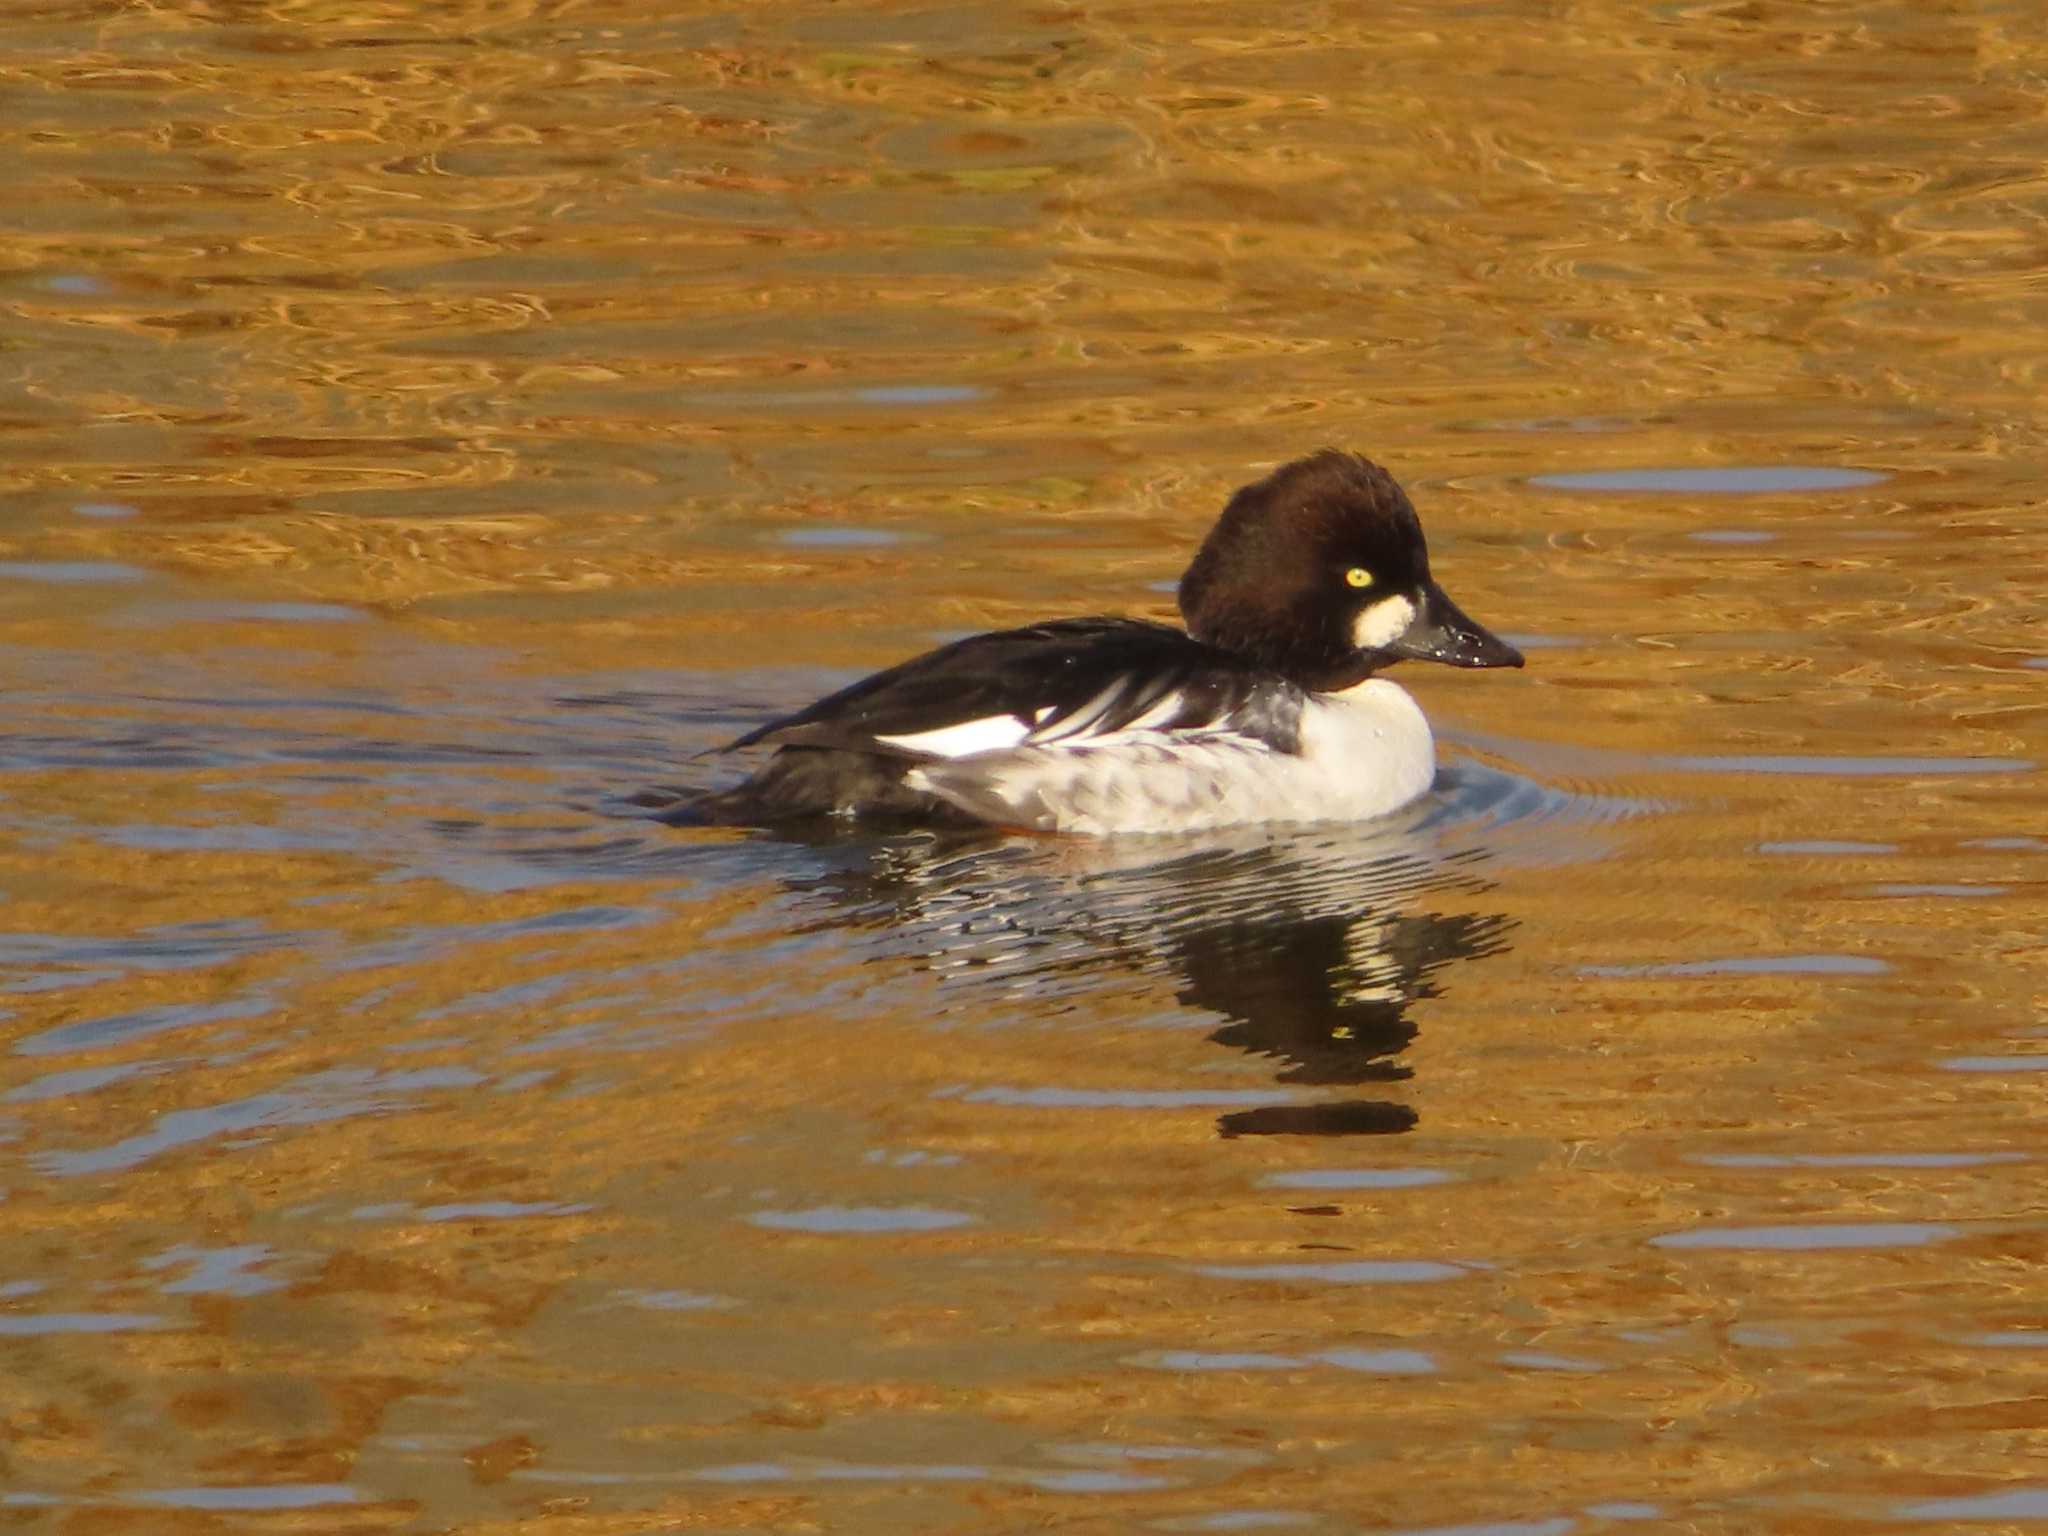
x: 1320, y: 572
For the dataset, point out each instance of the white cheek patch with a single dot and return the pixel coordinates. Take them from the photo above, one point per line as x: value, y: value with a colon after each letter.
x: 992, y: 733
x: 1380, y: 624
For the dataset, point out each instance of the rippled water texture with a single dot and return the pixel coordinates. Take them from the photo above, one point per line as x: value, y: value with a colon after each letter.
x: 423, y: 428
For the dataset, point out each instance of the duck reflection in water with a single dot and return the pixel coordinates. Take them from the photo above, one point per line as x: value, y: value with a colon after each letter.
x: 1329, y: 997
x: 1312, y: 945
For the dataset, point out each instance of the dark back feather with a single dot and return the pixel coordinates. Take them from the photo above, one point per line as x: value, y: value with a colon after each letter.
x: 1043, y: 670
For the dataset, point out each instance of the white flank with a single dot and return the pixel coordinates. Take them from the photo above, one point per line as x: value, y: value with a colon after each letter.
x: 991, y: 733
x: 1382, y: 623
x: 1364, y: 752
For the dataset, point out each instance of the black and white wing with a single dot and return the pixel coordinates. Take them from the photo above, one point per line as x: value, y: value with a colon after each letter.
x: 1072, y: 683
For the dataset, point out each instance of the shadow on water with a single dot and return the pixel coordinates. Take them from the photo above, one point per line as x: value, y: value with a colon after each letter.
x: 1312, y: 944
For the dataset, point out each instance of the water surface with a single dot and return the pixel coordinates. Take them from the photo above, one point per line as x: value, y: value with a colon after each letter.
x: 427, y: 428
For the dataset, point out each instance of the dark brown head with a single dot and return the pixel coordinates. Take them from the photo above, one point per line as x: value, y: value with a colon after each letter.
x: 1320, y: 572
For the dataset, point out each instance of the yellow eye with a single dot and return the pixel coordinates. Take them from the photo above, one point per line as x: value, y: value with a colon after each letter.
x: 1358, y: 576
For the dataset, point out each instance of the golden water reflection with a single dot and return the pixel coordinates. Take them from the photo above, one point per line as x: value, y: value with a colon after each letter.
x: 426, y: 427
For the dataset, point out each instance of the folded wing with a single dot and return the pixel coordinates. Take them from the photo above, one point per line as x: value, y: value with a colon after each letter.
x: 1072, y: 683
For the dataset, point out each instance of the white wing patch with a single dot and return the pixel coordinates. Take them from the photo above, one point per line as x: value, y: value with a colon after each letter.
x: 1080, y: 722
x: 1082, y: 726
x: 991, y: 733
x: 1157, y: 713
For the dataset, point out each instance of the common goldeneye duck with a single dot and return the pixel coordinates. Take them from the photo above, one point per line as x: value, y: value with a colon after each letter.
x: 1267, y: 708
